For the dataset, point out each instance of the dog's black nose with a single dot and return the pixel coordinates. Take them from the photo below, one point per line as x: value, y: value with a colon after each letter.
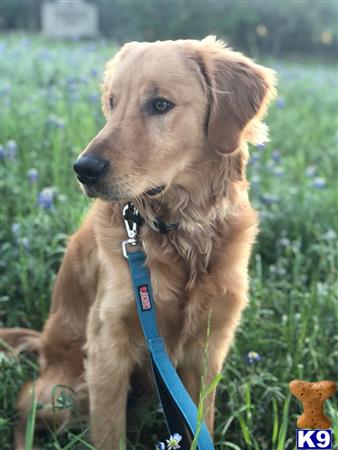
x: 90, y: 169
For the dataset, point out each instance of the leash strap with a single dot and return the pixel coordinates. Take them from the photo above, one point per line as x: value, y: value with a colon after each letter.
x: 179, y: 410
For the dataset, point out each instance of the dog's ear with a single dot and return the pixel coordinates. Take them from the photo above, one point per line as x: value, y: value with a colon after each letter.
x: 238, y: 90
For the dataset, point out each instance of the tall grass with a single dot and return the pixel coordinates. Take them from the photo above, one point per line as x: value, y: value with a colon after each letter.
x: 51, y: 108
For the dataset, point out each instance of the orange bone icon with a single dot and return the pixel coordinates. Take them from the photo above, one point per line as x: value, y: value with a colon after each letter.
x: 313, y: 396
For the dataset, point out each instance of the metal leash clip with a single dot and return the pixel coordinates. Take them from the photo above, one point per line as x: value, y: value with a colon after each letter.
x: 132, y: 230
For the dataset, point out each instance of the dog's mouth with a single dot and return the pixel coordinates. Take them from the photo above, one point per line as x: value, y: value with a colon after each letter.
x: 88, y: 181
x: 155, y: 191
x: 96, y: 190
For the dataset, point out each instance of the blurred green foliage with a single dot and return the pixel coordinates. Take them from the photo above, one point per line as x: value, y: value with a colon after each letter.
x: 275, y: 27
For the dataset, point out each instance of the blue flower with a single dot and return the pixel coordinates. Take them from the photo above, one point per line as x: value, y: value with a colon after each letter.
x: 173, y: 441
x: 94, y: 98
x: 255, y: 158
x: 15, y: 228
x: 278, y: 171
x: 310, y: 171
x: 275, y: 156
x: 94, y: 72
x: 5, y: 89
x: 284, y: 242
x: 10, y: 149
x: 268, y: 199
x: 319, y: 182
x: 55, y: 121
x: 253, y: 357
x: 160, y: 446
x: 74, y: 96
x: 260, y: 146
x: 255, y: 180
x: 280, y: 103
x: 45, y: 54
x: 33, y: 175
x: 46, y: 197
x: 2, y: 152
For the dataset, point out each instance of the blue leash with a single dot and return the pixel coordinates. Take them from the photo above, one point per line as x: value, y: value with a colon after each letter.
x: 179, y: 410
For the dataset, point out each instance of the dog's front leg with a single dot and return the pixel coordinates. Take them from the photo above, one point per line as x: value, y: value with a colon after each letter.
x: 108, y: 373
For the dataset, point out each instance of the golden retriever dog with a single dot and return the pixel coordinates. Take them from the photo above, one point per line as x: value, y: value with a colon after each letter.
x: 179, y: 115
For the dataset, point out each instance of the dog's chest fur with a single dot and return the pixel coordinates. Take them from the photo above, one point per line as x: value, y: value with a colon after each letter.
x: 169, y: 279
x: 185, y: 285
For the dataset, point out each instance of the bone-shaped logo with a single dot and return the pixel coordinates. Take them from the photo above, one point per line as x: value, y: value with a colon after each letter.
x: 313, y: 396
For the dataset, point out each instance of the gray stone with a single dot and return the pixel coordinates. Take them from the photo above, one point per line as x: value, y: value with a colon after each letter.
x: 69, y: 19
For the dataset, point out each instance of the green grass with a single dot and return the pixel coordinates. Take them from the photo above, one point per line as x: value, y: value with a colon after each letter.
x: 51, y: 109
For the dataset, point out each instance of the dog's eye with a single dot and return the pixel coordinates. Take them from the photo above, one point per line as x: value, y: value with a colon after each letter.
x: 111, y: 102
x: 160, y: 106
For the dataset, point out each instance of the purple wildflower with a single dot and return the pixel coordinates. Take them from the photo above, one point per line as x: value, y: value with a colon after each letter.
x: 268, y: 199
x: 45, y: 54
x: 54, y: 121
x: 160, y: 446
x: 310, y: 171
x: 270, y: 165
x: 255, y: 180
x: 284, y: 242
x: 33, y: 175
x: 46, y: 197
x: 255, y: 158
x: 94, y: 98
x: 74, y: 96
x: 275, y: 156
x: 260, y: 146
x: 94, y: 72
x: 10, y: 149
x: 319, y: 182
x: 15, y: 228
x: 253, y: 357
x: 5, y: 89
x: 278, y: 171
x: 280, y: 103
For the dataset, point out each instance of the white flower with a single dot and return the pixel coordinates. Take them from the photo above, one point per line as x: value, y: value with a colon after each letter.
x: 173, y: 441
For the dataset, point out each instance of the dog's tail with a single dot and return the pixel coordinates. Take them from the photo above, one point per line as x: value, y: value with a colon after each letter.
x: 19, y: 340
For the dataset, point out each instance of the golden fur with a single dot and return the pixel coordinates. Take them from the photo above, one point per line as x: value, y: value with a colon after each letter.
x: 198, y: 151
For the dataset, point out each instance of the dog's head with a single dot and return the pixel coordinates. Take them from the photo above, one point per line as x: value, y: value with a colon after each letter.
x: 169, y: 106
